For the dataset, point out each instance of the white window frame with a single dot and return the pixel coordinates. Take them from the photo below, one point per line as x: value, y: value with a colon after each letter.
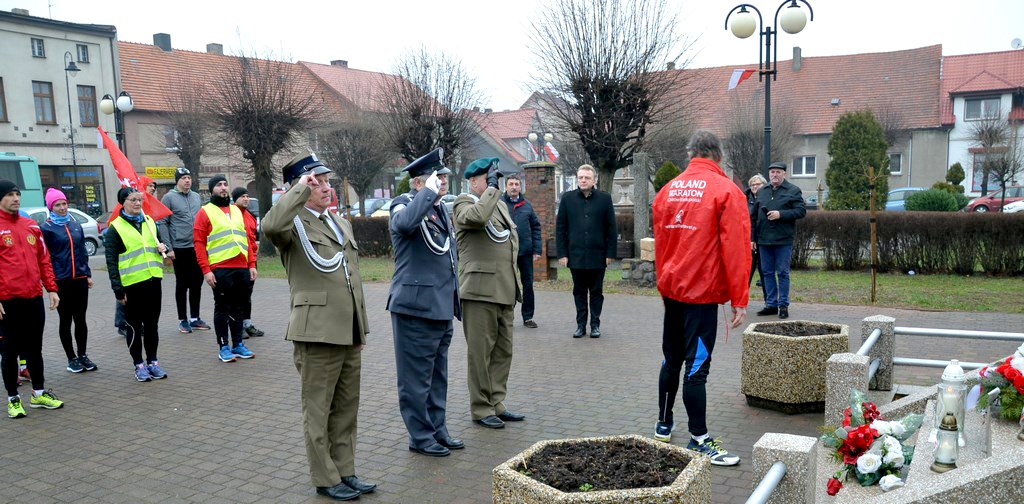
x: 38, y: 48
x: 800, y: 167
x: 83, y: 53
x: 985, y: 113
x: 899, y: 155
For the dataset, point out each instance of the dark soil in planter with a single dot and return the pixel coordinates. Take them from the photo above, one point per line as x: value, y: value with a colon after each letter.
x: 617, y: 465
x: 797, y: 329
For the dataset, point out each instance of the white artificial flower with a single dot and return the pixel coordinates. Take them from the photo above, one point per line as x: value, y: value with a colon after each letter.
x: 894, y: 458
x: 897, y: 429
x: 881, y: 426
x: 1020, y: 351
x: 869, y: 463
x: 889, y: 482
x: 891, y: 444
x: 1017, y: 362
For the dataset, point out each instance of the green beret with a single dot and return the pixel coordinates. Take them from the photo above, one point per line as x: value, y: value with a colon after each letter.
x: 480, y: 166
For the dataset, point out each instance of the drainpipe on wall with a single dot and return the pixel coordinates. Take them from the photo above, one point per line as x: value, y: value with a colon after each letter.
x: 910, y: 161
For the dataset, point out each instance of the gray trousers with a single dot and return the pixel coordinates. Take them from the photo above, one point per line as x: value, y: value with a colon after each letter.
x: 421, y: 360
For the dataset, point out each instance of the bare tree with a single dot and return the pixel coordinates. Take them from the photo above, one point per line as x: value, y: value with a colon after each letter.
x: 428, y: 105
x: 744, y: 143
x: 354, y: 150
x: 1004, y: 162
x: 261, y: 105
x: 190, y: 119
x: 894, y: 125
x: 989, y: 133
x: 600, y: 66
x: 668, y: 143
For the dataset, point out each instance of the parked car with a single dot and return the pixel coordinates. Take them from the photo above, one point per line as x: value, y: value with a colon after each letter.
x: 991, y: 201
x: 811, y: 201
x: 448, y: 200
x: 101, y: 222
x: 372, y: 205
x: 897, y: 199
x: 1016, y: 206
x: 89, y: 225
x: 384, y: 210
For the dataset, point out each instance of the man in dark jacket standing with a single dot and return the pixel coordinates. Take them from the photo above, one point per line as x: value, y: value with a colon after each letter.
x: 585, y: 236
x: 779, y: 206
x: 528, y: 226
x: 176, y: 232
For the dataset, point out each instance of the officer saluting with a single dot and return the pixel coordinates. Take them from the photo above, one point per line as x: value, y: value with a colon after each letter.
x: 328, y: 322
x: 423, y: 299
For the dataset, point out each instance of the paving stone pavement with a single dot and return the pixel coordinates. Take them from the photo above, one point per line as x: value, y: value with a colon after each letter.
x: 215, y: 432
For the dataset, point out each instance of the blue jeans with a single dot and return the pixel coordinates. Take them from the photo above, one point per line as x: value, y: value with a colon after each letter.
x: 775, y: 261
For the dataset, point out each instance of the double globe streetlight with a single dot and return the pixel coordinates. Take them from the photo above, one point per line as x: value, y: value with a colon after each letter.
x: 541, y: 142
x: 744, y: 25
x: 122, y: 105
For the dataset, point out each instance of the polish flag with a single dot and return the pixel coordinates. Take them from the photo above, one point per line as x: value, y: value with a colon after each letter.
x: 126, y: 174
x: 738, y: 76
x: 552, y: 152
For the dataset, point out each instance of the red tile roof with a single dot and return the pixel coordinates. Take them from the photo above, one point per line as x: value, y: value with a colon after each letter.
x: 974, y: 73
x: 907, y: 81
x: 506, y: 125
x: 155, y: 78
x: 361, y: 87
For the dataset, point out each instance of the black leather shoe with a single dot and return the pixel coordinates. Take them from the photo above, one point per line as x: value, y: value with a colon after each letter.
x: 510, y: 416
x: 768, y: 310
x: 580, y: 331
x: 595, y: 331
x: 434, y: 450
x: 358, y: 485
x: 491, y: 422
x: 783, y: 312
x: 530, y: 323
x: 341, y: 492
x: 451, y: 443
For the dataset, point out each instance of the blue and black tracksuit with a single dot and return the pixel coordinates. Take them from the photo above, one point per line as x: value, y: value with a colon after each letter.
x: 687, y: 342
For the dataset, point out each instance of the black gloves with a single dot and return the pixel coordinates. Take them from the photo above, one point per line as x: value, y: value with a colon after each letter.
x: 493, y: 175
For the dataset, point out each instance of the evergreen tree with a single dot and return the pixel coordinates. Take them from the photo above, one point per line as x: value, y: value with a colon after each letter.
x: 857, y: 141
x: 955, y: 175
x: 666, y: 173
x: 403, y: 185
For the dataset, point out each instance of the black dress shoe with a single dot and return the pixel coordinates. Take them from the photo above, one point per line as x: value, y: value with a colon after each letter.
x: 768, y: 310
x: 451, y: 443
x: 434, y: 450
x: 595, y: 331
x: 510, y: 416
x: 580, y: 331
x: 783, y: 312
x: 491, y: 422
x: 358, y: 485
x: 341, y: 492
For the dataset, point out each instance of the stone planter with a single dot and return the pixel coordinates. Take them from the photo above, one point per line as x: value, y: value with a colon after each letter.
x: 693, y: 485
x: 787, y: 373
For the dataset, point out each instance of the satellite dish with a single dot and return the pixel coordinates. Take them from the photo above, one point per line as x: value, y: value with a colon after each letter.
x: 1016, y: 43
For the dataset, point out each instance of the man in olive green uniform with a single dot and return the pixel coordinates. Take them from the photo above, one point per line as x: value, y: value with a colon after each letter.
x: 328, y: 324
x: 489, y: 287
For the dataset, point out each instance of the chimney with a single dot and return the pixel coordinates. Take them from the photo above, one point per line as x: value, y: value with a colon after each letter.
x: 797, y: 59
x: 488, y: 111
x: 671, y: 65
x: 340, y: 63
x: 20, y: 12
x: 215, y: 49
x: 162, y: 40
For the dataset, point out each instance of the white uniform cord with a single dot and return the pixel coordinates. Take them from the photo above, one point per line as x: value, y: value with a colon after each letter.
x: 324, y: 265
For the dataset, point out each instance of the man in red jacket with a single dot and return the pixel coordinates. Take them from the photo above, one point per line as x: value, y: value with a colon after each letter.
x: 26, y: 268
x: 241, y: 198
x: 702, y: 254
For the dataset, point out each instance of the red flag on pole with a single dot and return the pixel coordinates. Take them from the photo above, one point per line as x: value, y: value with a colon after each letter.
x: 126, y: 174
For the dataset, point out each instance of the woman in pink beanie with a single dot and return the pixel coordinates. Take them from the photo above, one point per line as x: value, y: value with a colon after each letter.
x: 66, y: 243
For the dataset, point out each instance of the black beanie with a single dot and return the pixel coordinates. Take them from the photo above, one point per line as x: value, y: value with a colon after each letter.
x: 238, y: 193
x: 7, y: 186
x: 123, y: 194
x: 181, y: 172
x: 214, y: 180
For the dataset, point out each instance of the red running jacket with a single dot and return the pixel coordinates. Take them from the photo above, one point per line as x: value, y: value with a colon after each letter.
x: 702, y: 237
x: 24, y: 260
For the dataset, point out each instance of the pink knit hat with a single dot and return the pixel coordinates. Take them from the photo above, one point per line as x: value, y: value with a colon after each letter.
x: 53, y: 196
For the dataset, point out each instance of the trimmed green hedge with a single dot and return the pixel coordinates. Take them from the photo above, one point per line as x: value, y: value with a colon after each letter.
x: 372, y: 235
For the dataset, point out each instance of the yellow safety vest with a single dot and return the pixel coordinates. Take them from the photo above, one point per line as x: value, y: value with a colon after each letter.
x: 141, y: 260
x: 227, y: 236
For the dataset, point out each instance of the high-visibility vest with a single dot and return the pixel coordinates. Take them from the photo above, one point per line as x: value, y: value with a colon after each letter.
x: 141, y: 260
x: 227, y: 236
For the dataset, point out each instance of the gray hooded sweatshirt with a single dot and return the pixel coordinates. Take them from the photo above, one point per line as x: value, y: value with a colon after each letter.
x: 176, y: 230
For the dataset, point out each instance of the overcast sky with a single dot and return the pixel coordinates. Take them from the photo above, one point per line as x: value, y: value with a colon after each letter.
x: 490, y: 36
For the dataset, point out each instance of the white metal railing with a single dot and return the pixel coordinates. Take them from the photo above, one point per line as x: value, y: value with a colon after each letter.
x: 768, y: 483
x: 870, y: 342
x: 947, y: 333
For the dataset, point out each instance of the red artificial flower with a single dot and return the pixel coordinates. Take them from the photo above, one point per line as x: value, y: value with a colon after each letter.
x: 1018, y: 383
x: 834, y: 486
x: 870, y: 412
x: 846, y: 417
x: 861, y: 438
x: 1012, y: 374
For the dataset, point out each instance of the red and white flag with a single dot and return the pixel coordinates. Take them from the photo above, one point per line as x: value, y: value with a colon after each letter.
x: 126, y: 174
x: 552, y: 152
x: 738, y: 76
x: 534, y: 153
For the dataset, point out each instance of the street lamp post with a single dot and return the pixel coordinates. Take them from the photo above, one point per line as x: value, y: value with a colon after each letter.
x: 743, y: 25
x: 118, y: 107
x: 540, y: 141
x: 70, y: 68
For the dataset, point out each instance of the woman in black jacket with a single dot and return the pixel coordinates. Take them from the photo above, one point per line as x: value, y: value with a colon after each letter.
x: 66, y: 243
x: 753, y: 185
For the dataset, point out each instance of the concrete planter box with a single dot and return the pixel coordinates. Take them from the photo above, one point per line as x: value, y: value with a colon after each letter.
x: 787, y: 373
x: 693, y: 485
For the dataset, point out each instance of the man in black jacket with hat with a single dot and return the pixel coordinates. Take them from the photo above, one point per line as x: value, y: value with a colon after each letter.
x: 778, y: 207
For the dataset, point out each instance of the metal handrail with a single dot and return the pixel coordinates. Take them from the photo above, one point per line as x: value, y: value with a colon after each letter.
x: 768, y: 484
x: 955, y: 333
x: 910, y: 361
x: 870, y: 342
x: 873, y: 368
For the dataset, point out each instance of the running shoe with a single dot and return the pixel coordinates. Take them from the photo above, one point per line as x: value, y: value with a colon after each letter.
x: 15, y: 409
x: 252, y: 331
x: 23, y: 376
x: 242, y: 352
x: 46, y: 400
x: 156, y: 372
x: 663, y: 432
x: 184, y: 327
x: 225, y: 354
x: 199, y: 325
x: 711, y: 448
x: 87, y: 363
x: 142, y: 374
x: 75, y: 366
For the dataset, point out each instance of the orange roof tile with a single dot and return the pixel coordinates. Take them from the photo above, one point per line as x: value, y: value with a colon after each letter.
x: 361, y: 87
x: 973, y: 73
x: 506, y: 125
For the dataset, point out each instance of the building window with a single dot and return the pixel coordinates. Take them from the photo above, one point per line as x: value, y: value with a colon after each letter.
x: 3, y: 102
x: 981, y: 108
x: 83, y: 53
x: 87, y: 105
x: 38, y: 50
x: 895, y: 164
x: 803, y: 166
x: 170, y: 138
x: 43, y: 95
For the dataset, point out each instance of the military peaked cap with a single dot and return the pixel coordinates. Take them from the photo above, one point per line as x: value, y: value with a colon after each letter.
x: 303, y: 164
x: 427, y: 163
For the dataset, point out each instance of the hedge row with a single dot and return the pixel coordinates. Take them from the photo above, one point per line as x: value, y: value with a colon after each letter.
x: 927, y: 242
x: 373, y: 236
